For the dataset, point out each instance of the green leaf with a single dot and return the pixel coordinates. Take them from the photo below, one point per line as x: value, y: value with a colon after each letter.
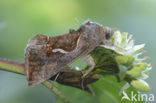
x: 105, y: 61
x: 106, y: 91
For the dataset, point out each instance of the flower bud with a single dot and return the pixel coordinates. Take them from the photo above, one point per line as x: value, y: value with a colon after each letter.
x: 136, y: 70
x: 140, y: 85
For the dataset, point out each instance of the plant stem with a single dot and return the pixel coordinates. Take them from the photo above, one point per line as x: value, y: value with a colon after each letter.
x: 51, y: 87
x: 16, y: 67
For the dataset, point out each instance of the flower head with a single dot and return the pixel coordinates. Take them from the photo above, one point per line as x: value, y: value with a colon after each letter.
x: 127, y: 55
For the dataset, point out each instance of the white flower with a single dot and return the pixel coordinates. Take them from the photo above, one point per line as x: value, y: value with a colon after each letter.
x: 124, y: 45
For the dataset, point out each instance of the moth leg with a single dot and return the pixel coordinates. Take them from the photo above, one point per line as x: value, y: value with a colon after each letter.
x: 82, y: 86
x: 90, y: 90
x: 91, y: 63
x: 56, y: 76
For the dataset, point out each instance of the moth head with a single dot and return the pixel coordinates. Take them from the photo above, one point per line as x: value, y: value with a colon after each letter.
x: 108, y: 32
x: 97, y: 30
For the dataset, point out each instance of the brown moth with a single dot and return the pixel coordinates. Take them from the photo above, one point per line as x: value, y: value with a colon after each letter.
x: 46, y: 56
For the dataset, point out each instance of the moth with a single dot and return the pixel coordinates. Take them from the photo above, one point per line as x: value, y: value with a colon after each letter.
x: 46, y: 56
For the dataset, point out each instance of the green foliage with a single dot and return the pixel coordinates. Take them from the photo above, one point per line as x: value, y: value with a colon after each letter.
x: 105, y: 61
x: 106, y: 90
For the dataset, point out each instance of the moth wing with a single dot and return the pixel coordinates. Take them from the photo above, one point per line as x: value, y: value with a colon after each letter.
x: 42, y: 57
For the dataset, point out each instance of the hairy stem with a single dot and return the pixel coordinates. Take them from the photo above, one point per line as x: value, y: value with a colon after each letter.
x: 16, y: 67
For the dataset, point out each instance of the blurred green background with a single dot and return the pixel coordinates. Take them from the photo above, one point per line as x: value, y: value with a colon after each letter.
x: 22, y: 19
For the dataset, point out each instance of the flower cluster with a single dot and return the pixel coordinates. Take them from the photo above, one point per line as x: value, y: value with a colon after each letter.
x: 128, y: 56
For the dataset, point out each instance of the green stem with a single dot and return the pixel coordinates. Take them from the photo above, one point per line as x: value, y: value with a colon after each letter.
x: 51, y: 87
x: 18, y: 68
